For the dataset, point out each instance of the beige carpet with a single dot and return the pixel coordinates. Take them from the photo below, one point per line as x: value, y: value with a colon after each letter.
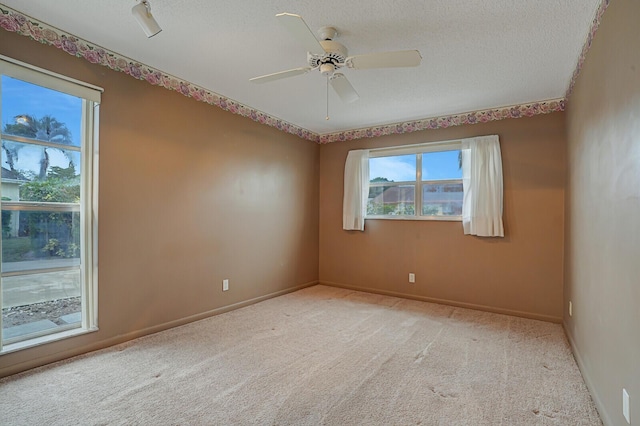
x: 318, y: 356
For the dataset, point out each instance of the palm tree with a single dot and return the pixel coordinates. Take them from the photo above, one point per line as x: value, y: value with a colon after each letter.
x: 50, y: 129
x: 47, y: 128
x: 11, y: 150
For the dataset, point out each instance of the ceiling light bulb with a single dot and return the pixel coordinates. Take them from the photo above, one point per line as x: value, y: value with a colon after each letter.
x: 142, y: 13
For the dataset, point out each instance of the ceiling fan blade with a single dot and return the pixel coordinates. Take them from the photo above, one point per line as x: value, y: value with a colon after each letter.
x: 400, y: 58
x: 299, y: 29
x: 343, y: 88
x: 279, y: 75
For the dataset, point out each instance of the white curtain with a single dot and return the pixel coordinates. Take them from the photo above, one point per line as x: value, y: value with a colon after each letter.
x: 482, y: 186
x: 356, y: 190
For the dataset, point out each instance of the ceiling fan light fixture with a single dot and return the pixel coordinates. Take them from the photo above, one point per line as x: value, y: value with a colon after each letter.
x: 327, y: 69
x: 142, y: 13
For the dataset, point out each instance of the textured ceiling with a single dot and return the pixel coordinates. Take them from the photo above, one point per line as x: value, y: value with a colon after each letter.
x: 477, y: 54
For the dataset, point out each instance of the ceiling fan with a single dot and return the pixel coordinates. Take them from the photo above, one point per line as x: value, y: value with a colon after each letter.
x: 328, y: 56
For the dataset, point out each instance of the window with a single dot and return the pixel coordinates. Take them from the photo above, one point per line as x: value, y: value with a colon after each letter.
x: 48, y: 187
x: 416, y: 182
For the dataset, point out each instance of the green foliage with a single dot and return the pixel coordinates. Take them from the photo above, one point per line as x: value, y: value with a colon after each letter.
x: 430, y: 210
x: 50, y: 190
x: 380, y: 179
x: 47, y: 128
x: 390, y: 209
x: 16, y: 249
x: 54, y: 248
x: 6, y: 220
x: 25, y: 125
x: 53, y: 234
x: 62, y: 186
x: 68, y: 173
x: 406, y: 209
x: 379, y: 209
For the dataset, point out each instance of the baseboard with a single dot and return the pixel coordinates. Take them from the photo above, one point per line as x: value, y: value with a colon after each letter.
x: 103, y: 344
x: 547, y: 318
x: 604, y: 416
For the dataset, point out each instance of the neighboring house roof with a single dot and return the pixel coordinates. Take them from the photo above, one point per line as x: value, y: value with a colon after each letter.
x: 406, y: 194
x: 395, y: 195
x: 442, y: 197
x: 12, y: 175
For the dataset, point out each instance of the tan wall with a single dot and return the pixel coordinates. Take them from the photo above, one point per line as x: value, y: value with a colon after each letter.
x: 189, y: 195
x: 521, y: 273
x: 603, y: 216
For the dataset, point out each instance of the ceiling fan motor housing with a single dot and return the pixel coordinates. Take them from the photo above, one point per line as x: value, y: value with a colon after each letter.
x: 335, y: 54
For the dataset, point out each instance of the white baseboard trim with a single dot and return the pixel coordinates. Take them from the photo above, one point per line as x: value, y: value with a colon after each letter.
x: 602, y: 411
x: 547, y: 318
x: 102, y: 344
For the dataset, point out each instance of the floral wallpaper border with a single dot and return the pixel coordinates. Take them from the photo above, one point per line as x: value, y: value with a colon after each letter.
x: 474, y: 117
x: 14, y: 21
x: 587, y: 45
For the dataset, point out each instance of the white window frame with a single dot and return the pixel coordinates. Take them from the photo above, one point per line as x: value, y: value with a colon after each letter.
x: 418, y: 150
x: 91, y: 96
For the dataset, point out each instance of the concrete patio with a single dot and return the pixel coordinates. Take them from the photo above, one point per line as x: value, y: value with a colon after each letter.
x: 33, y: 288
x: 29, y: 289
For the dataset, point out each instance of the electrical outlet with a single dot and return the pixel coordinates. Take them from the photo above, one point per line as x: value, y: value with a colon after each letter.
x: 625, y: 406
x: 570, y: 308
x: 412, y: 277
x: 225, y: 285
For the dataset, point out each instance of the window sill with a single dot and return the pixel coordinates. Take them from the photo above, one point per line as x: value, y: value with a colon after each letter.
x: 37, y: 341
x: 420, y: 218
